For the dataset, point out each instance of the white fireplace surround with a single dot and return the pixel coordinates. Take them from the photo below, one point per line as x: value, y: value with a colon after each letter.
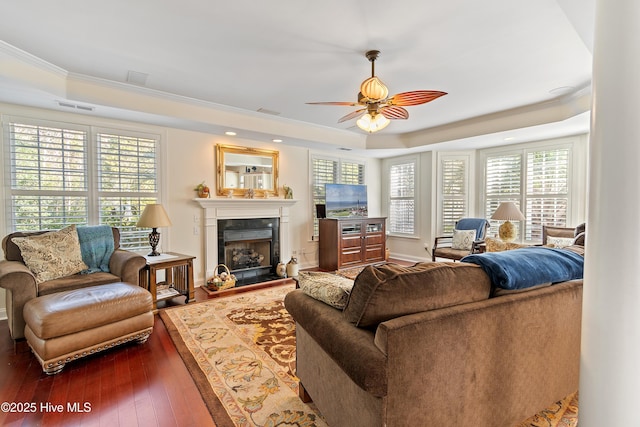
x: 226, y: 208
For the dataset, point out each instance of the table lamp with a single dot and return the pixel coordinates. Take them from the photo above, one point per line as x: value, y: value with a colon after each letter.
x: 154, y: 216
x: 507, y: 212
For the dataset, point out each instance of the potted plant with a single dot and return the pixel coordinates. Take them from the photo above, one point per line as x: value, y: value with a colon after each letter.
x: 203, y: 190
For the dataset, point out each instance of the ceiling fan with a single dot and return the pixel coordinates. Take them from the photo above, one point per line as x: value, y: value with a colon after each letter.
x: 379, y: 108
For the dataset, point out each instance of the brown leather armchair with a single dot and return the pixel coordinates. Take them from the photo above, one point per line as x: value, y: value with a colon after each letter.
x: 20, y: 283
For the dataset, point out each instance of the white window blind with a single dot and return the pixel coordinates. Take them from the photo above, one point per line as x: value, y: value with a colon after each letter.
x: 402, y: 197
x: 332, y: 171
x: 453, y: 192
x: 127, y: 182
x: 48, y: 167
x: 503, y: 184
x: 60, y: 175
x: 537, y: 181
x: 547, y: 194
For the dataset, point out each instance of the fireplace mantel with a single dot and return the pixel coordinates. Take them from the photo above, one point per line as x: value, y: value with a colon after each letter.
x: 228, y: 208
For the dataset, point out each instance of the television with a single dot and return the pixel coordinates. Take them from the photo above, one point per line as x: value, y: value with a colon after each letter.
x: 346, y: 201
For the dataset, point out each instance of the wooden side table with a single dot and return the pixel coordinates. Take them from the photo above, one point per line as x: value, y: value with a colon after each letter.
x: 178, y: 276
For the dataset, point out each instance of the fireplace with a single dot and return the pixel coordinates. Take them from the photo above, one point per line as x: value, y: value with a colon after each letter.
x: 250, y: 248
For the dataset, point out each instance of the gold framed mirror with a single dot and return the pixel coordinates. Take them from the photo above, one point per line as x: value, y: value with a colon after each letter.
x: 244, y: 168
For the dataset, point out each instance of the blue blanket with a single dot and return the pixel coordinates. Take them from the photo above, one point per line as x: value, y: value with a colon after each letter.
x: 477, y: 224
x: 531, y: 266
x: 96, y: 247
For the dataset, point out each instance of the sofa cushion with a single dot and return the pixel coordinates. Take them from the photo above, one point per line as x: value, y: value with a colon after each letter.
x: 52, y: 255
x: 387, y: 291
x: 463, y: 239
x: 326, y: 287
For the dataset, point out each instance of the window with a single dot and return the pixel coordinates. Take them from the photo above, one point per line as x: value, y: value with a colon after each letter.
x: 61, y: 175
x: 332, y: 171
x: 127, y: 182
x: 453, y: 192
x: 402, y: 197
x: 547, y: 196
x: 537, y: 181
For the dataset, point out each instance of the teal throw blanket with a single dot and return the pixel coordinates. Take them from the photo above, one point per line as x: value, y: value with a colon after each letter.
x: 96, y: 247
x: 531, y: 266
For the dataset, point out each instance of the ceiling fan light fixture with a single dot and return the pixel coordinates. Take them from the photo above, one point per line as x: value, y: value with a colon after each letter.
x: 372, y: 123
x: 374, y: 89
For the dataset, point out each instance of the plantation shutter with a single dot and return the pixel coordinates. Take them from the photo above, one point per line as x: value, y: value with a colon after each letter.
x: 127, y: 182
x: 402, y: 198
x: 453, y: 192
x: 503, y: 183
x: 547, y: 190
x: 332, y: 171
x: 48, y: 176
x: 351, y: 173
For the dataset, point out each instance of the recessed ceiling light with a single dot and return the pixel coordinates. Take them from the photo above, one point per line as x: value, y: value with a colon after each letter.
x: 276, y: 140
x: 230, y: 133
x: 344, y: 149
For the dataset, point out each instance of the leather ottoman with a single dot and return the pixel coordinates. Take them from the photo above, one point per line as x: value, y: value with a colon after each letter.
x: 68, y: 325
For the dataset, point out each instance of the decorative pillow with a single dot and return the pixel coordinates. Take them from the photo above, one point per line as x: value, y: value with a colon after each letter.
x: 52, y: 255
x: 388, y: 291
x: 463, y: 239
x: 497, y: 245
x: 326, y: 287
x: 559, y: 242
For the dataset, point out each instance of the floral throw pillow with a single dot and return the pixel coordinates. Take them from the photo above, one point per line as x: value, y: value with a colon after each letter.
x: 463, y: 239
x: 559, y: 242
x: 52, y: 255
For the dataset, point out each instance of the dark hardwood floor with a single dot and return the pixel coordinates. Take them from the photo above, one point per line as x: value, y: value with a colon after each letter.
x: 131, y: 385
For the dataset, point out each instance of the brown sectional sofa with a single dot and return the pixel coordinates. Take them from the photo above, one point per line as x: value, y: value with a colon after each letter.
x: 428, y: 345
x: 21, y: 286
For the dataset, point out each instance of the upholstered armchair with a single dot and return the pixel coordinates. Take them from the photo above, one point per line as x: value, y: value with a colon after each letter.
x: 468, y: 236
x: 563, y: 236
x: 21, y: 285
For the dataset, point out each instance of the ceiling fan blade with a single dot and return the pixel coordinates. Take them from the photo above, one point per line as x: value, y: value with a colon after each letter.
x: 351, y: 115
x: 393, y: 112
x: 415, y: 97
x: 345, y: 103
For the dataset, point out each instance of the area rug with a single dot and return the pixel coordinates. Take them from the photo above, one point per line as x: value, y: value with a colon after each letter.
x: 240, y: 351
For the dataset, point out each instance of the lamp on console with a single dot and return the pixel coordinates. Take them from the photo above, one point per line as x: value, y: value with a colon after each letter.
x: 154, y: 216
x: 507, y: 212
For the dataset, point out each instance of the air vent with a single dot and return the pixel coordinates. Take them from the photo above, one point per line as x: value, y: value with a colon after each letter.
x: 271, y: 112
x: 137, y: 78
x: 77, y: 107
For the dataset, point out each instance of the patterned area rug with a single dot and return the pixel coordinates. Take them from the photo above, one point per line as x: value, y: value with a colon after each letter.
x: 240, y: 351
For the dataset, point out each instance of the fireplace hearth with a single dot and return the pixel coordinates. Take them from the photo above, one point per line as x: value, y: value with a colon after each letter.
x: 250, y: 248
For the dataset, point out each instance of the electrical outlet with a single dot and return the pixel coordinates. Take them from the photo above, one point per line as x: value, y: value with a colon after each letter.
x: 196, y: 230
x: 196, y: 217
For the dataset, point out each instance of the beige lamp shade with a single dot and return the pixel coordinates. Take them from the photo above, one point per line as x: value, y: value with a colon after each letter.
x: 507, y: 212
x: 154, y: 216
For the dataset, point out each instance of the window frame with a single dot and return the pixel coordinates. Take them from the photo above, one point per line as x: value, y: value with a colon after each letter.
x: 441, y: 224
x: 389, y: 163
x: 338, y: 162
x: 92, y: 193
x: 523, y: 150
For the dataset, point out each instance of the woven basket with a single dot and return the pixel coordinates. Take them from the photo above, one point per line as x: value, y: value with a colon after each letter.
x: 217, y: 284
